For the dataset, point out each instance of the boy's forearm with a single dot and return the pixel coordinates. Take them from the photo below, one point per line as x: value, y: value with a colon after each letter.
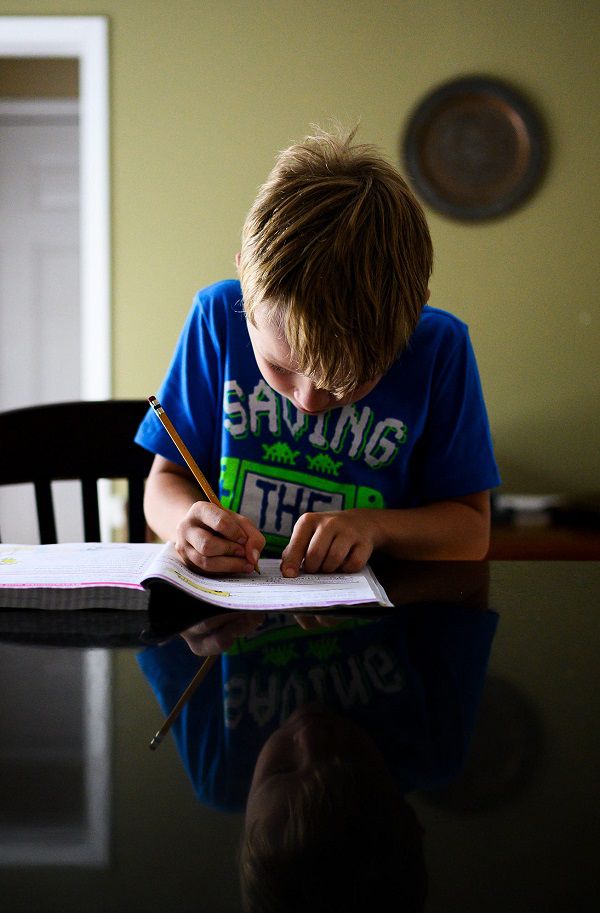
x: 167, y: 499
x: 445, y: 530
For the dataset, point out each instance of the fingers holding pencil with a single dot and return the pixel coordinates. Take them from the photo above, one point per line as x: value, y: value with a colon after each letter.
x: 218, y: 541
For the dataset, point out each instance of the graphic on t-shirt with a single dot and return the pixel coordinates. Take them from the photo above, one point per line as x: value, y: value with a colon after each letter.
x: 269, y: 692
x: 304, y: 473
x: 280, y: 453
x: 275, y: 496
x: 348, y: 431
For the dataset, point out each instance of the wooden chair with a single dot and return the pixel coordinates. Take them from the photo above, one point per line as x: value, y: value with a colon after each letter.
x: 78, y: 440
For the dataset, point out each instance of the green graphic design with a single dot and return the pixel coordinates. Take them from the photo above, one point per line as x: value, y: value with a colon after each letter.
x: 323, y: 649
x: 260, y: 641
x: 241, y: 476
x: 280, y: 655
x: 322, y: 462
x: 280, y: 453
x: 229, y: 471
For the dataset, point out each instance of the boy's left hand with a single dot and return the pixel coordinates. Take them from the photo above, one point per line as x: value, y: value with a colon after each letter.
x: 339, y: 540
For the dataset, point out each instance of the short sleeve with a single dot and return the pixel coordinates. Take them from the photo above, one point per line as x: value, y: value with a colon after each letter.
x: 189, y: 393
x: 457, y: 456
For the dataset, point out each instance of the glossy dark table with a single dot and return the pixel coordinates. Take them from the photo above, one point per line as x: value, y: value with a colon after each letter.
x: 503, y: 758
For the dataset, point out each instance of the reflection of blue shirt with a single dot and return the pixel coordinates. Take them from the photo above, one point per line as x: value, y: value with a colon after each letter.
x: 413, y: 682
x: 421, y: 435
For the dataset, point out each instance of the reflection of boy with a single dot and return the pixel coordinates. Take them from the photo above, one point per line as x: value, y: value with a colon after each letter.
x: 336, y: 412
x: 320, y: 734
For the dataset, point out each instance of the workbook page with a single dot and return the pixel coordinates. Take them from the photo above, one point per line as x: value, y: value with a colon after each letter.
x: 81, y: 565
x: 269, y: 590
x: 76, y: 564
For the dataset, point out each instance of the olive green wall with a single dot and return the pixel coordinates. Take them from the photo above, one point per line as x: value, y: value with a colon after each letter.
x: 204, y: 93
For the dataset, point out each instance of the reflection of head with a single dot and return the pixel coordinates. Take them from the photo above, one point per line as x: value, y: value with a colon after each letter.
x: 331, y: 831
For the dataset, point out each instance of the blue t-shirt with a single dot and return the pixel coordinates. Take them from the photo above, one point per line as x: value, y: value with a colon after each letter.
x: 421, y: 435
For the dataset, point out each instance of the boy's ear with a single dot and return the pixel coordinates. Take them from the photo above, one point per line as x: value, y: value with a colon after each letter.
x: 427, y: 296
x: 237, y: 260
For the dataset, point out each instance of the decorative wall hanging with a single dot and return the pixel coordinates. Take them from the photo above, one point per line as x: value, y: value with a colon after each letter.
x: 474, y: 148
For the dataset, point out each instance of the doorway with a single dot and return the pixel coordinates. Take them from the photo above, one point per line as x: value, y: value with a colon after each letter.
x: 40, y: 321
x: 54, y: 344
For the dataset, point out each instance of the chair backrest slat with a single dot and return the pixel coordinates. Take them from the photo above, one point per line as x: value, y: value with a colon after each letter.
x: 135, y: 510
x: 91, y: 510
x: 45, y: 511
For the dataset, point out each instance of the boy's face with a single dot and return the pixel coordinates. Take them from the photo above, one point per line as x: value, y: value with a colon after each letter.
x: 276, y: 364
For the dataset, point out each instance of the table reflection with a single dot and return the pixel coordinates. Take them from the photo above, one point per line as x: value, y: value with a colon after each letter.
x: 317, y: 727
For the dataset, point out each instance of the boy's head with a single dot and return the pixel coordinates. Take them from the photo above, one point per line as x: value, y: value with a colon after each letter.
x: 326, y: 827
x: 335, y: 259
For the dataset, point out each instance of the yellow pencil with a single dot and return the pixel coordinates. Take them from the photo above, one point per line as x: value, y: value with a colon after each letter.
x: 187, y: 456
x: 198, y: 677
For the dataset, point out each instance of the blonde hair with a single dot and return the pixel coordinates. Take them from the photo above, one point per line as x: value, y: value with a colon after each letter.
x: 347, y: 841
x: 338, y: 250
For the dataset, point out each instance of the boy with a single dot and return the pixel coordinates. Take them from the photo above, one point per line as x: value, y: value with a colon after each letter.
x: 336, y: 412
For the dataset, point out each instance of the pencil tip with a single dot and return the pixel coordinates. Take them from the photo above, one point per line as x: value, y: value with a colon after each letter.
x: 155, y: 743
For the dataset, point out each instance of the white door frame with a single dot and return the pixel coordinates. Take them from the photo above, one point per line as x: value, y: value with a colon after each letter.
x: 85, y: 38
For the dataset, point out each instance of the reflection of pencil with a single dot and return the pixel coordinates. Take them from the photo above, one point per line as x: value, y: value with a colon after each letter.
x: 198, y: 677
x: 187, y: 456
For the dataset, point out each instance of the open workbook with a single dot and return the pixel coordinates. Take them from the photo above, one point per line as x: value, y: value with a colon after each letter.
x: 97, y: 575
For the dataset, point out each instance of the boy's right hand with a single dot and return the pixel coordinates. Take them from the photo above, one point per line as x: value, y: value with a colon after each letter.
x: 214, y: 540
x: 217, y: 634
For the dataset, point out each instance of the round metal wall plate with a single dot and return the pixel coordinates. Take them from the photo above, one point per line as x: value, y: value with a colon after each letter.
x: 474, y: 149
